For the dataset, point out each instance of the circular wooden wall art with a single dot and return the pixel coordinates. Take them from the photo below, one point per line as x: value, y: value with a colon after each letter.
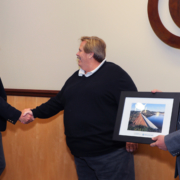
x: 157, y: 25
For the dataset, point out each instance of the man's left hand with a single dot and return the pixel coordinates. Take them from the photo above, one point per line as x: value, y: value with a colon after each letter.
x: 131, y: 147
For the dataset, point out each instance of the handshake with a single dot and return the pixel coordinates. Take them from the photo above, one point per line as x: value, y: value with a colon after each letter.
x: 26, y: 116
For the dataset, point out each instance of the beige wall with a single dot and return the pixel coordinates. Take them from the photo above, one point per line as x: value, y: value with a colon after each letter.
x: 38, y: 43
x: 38, y: 151
x: 39, y: 40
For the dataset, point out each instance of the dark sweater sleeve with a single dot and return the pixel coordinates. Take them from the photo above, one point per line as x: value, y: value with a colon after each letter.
x: 8, y: 112
x: 50, y: 108
x: 122, y: 81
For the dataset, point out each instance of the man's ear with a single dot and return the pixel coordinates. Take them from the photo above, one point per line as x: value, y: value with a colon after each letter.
x: 90, y: 55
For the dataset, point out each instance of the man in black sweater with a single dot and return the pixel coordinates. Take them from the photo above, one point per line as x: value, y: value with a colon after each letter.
x: 11, y: 114
x: 90, y: 100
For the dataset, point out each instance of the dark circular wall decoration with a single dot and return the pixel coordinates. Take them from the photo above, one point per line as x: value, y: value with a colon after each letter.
x: 157, y: 26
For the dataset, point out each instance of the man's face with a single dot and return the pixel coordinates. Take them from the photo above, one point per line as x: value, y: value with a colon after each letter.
x: 82, y: 56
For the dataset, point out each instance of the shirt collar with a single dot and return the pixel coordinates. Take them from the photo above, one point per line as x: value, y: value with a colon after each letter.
x: 82, y: 72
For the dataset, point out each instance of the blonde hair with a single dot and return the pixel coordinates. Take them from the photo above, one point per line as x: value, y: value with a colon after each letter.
x: 95, y: 45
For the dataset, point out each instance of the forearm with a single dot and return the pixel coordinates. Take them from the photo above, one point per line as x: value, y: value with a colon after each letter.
x: 9, y: 113
x: 48, y: 109
x: 172, y: 142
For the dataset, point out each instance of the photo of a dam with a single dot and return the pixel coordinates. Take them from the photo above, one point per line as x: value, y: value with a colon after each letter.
x: 146, y: 117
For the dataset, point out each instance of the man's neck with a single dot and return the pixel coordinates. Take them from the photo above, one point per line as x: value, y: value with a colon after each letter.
x: 89, y: 73
x: 93, y: 65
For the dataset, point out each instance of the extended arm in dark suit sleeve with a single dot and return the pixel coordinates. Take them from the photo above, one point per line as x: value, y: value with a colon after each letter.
x: 172, y: 142
x: 7, y: 112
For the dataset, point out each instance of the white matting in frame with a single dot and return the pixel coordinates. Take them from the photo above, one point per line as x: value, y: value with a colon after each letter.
x: 161, y: 106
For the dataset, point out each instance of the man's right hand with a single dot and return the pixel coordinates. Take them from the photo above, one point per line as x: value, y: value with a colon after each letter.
x: 26, y: 116
x: 155, y: 90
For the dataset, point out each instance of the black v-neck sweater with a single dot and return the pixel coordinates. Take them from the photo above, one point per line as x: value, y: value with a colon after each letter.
x: 90, y: 106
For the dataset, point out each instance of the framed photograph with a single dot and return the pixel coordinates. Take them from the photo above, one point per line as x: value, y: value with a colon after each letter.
x: 143, y: 115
